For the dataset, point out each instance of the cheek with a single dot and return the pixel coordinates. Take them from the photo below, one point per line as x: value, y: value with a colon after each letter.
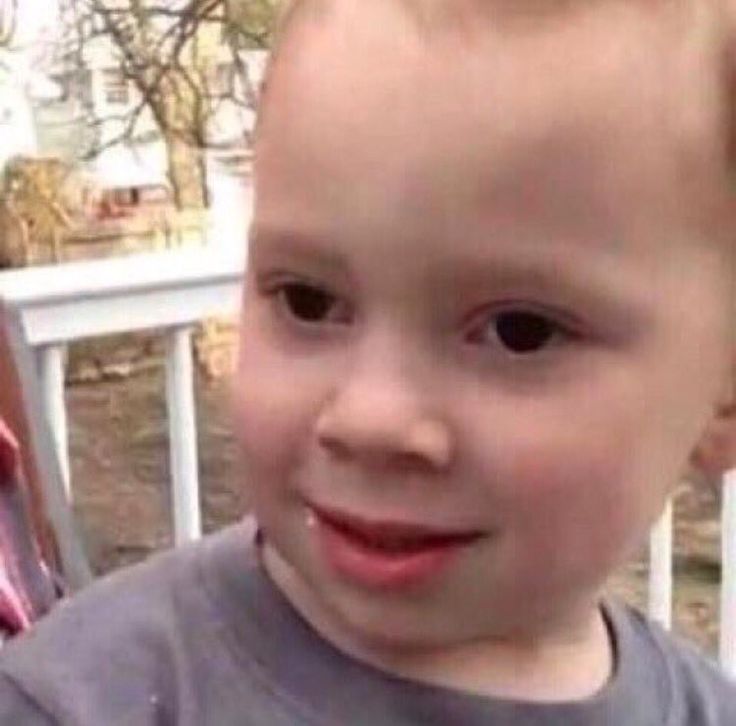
x: 591, y: 467
x: 574, y: 498
x: 276, y: 397
x: 572, y: 491
x: 267, y: 418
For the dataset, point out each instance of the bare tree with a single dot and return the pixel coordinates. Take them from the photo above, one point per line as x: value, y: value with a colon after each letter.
x: 164, y: 49
x: 8, y: 21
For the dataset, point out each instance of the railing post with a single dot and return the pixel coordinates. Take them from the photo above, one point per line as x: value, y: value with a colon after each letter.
x: 182, y: 435
x: 727, y: 642
x: 51, y: 371
x: 660, y: 569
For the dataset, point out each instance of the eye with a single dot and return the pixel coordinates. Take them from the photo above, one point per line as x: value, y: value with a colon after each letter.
x: 311, y: 304
x: 524, y: 332
x: 520, y: 332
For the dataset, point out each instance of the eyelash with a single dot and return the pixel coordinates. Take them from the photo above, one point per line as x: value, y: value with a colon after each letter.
x: 519, y: 329
x: 320, y: 298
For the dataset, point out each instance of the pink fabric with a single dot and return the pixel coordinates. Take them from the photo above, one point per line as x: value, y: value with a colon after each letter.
x: 9, y: 451
x: 26, y: 591
x: 15, y: 614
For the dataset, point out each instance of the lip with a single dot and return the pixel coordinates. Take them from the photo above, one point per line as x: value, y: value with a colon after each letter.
x: 389, y: 529
x: 386, y: 554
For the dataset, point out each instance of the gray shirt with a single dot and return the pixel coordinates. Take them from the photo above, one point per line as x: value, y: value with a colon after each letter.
x: 201, y: 636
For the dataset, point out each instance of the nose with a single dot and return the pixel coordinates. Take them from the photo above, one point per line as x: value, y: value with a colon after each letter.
x: 380, y: 417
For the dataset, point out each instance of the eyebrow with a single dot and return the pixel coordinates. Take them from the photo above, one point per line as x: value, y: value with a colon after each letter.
x: 291, y: 245
x: 596, y: 285
x: 596, y: 288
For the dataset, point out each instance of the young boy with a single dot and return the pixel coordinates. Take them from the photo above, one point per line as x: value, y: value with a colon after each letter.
x: 487, y: 323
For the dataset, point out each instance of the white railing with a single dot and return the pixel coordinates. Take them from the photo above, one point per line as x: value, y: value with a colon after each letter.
x: 660, y: 593
x: 171, y: 290
x: 727, y: 633
x: 660, y: 569
x: 174, y: 290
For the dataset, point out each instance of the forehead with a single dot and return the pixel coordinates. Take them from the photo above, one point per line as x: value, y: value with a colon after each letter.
x: 595, y: 62
x: 608, y: 112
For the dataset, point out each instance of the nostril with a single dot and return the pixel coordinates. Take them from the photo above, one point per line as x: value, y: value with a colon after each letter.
x: 409, y: 461
x: 334, y: 446
x: 400, y: 455
x: 392, y: 435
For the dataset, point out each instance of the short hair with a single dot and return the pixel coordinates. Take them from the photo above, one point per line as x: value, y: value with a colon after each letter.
x: 431, y: 17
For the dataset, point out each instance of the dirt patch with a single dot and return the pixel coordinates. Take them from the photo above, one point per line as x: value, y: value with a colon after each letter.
x: 120, y: 473
x: 119, y: 447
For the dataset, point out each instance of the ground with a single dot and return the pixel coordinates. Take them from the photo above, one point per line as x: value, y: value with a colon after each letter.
x: 120, y: 474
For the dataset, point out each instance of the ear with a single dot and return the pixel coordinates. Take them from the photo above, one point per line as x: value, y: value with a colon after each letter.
x: 715, y: 452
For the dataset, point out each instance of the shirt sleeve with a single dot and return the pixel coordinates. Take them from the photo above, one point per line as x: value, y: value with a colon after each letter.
x: 18, y: 708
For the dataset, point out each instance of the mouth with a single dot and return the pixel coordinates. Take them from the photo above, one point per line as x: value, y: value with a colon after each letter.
x: 392, y: 536
x: 386, y: 554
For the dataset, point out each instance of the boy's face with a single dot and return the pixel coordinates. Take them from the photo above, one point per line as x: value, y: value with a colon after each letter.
x: 475, y: 304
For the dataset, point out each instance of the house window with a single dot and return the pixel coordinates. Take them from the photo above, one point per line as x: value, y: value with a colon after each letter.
x: 116, y: 86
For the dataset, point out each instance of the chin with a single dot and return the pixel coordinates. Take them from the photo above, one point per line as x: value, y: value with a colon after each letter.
x: 395, y: 624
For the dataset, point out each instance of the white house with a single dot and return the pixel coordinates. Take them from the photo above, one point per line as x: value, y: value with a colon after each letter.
x: 101, y: 92
x: 17, y: 128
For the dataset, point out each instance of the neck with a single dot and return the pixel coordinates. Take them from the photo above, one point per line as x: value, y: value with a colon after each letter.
x: 568, y: 663
x: 555, y: 667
